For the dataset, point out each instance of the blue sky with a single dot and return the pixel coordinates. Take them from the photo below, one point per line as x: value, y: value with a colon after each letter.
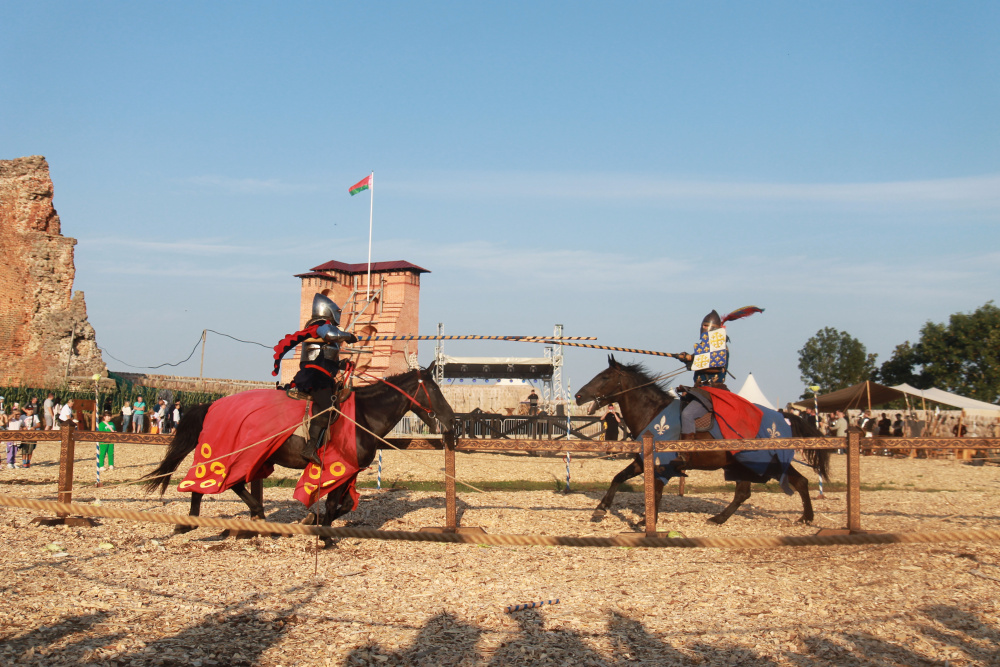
x: 617, y: 169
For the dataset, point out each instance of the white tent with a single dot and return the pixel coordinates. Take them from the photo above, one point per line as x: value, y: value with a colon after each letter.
x: 947, y: 398
x: 752, y: 393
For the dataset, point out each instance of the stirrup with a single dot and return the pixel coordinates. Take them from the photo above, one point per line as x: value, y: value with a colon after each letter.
x: 294, y: 393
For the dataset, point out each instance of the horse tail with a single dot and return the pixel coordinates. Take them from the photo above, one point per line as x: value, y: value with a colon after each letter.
x: 185, y: 441
x: 817, y: 459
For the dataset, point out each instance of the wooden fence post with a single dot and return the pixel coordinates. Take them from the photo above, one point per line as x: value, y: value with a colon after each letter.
x: 854, y: 480
x: 648, y: 468
x: 67, y: 451
x: 451, y: 501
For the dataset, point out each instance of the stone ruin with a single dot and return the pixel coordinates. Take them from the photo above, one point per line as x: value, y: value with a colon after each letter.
x: 45, y: 338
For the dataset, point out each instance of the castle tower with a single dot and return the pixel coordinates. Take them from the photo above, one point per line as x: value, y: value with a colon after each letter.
x: 394, y: 309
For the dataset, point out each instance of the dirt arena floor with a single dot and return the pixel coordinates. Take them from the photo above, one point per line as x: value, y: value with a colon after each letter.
x: 133, y: 594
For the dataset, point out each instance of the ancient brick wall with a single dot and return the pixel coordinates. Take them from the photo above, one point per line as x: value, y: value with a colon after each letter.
x: 41, y: 319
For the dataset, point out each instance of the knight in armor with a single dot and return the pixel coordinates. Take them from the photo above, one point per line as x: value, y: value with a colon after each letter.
x: 710, y: 363
x: 319, y: 366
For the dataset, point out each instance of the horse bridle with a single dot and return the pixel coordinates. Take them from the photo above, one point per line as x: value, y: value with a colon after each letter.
x: 620, y: 373
x: 413, y: 401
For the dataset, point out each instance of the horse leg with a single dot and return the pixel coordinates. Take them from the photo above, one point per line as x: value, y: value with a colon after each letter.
x: 740, y: 497
x: 632, y: 470
x: 256, y: 509
x: 798, y: 482
x: 194, y: 511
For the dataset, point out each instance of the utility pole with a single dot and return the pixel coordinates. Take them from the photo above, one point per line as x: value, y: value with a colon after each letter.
x: 201, y: 370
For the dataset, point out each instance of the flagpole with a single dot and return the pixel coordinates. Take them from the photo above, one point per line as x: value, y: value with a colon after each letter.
x: 371, y: 212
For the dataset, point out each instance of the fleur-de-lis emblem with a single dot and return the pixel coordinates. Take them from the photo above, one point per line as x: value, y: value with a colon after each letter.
x: 773, y: 431
x: 662, y: 427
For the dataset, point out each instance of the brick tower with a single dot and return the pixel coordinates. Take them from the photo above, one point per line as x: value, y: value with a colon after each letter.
x: 394, y: 310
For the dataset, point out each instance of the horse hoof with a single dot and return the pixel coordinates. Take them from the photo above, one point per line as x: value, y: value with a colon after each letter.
x: 179, y: 530
x: 309, y: 519
x: 329, y: 543
x: 716, y: 520
x: 598, y: 516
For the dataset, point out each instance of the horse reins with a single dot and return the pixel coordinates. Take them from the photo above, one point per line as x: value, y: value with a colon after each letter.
x: 639, y: 386
x: 422, y: 385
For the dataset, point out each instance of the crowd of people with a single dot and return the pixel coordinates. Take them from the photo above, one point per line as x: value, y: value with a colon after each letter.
x: 52, y: 413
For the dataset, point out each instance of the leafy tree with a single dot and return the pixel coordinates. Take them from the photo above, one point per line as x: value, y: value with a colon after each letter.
x: 962, y: 356
x: 833, y: 360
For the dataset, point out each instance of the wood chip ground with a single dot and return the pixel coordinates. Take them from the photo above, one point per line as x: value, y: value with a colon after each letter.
x: 133, y: 594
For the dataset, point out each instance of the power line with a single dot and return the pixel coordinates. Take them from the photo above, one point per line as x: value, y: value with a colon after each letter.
x: 188, y: 358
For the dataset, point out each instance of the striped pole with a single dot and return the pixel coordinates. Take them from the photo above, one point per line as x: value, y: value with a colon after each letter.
x: 530, y: 605
x: 567, y: 472
x: 378, y: 479
x: 97, y: 461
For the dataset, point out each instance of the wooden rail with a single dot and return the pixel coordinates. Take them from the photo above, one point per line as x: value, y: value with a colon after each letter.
x: 852, y: 444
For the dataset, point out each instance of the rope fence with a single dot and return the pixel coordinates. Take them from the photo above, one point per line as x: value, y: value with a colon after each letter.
x: 638, y: 540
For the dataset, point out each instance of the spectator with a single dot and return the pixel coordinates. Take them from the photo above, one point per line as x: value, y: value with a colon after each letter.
x: 106, y: 450
x: 14, y: 424
x: 176, y: 414
x: 840, y: 425
x: 29, y: 422
x: 611, y: 422
x: 867, y: 423
x: 897, y: 426
x: 47, y: 411
x: 884, y: 427
x: 66, y: 414
x: 126, y: 416
x: 959, y: 430
x: 3, y: 409
x: 56, y: 409
x: 161, y: 416
x: 138, y: 415
x: 532, y: 403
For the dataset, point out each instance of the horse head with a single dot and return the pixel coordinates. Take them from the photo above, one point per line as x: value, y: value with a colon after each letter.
x: 604, y: 388
x: 431, y: 406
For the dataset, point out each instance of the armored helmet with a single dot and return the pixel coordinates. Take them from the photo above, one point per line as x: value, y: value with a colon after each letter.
x: 712, y: 320
x: 324, y: 309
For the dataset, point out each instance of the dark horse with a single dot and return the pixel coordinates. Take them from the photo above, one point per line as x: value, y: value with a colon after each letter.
x: 641, y: 398
x: 378, y: 407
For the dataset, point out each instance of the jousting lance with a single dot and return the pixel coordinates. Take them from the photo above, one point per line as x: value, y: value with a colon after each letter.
x: 527, y: 339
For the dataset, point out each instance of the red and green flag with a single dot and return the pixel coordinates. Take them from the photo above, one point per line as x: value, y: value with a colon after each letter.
x: 363, y: 184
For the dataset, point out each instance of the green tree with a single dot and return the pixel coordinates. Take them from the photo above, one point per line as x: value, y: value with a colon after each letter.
x: 962, y: 356
x: 833, y: 360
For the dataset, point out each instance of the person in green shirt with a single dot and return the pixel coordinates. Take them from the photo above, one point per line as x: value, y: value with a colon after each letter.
x: 106, y: 450
x: 138, y: 415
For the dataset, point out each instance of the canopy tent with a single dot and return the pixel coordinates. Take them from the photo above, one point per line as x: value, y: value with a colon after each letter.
x: 858, y: 397
x: 751, y: 391
x: 947, y: 398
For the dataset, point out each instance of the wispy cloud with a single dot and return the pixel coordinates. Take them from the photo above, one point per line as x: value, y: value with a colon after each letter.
x: 974, y: 191
x: 201, y: 247
x: 252, y: 186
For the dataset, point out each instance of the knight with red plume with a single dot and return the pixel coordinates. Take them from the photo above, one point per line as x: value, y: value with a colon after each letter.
x: 710, y: 363
x: 317, y: 378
